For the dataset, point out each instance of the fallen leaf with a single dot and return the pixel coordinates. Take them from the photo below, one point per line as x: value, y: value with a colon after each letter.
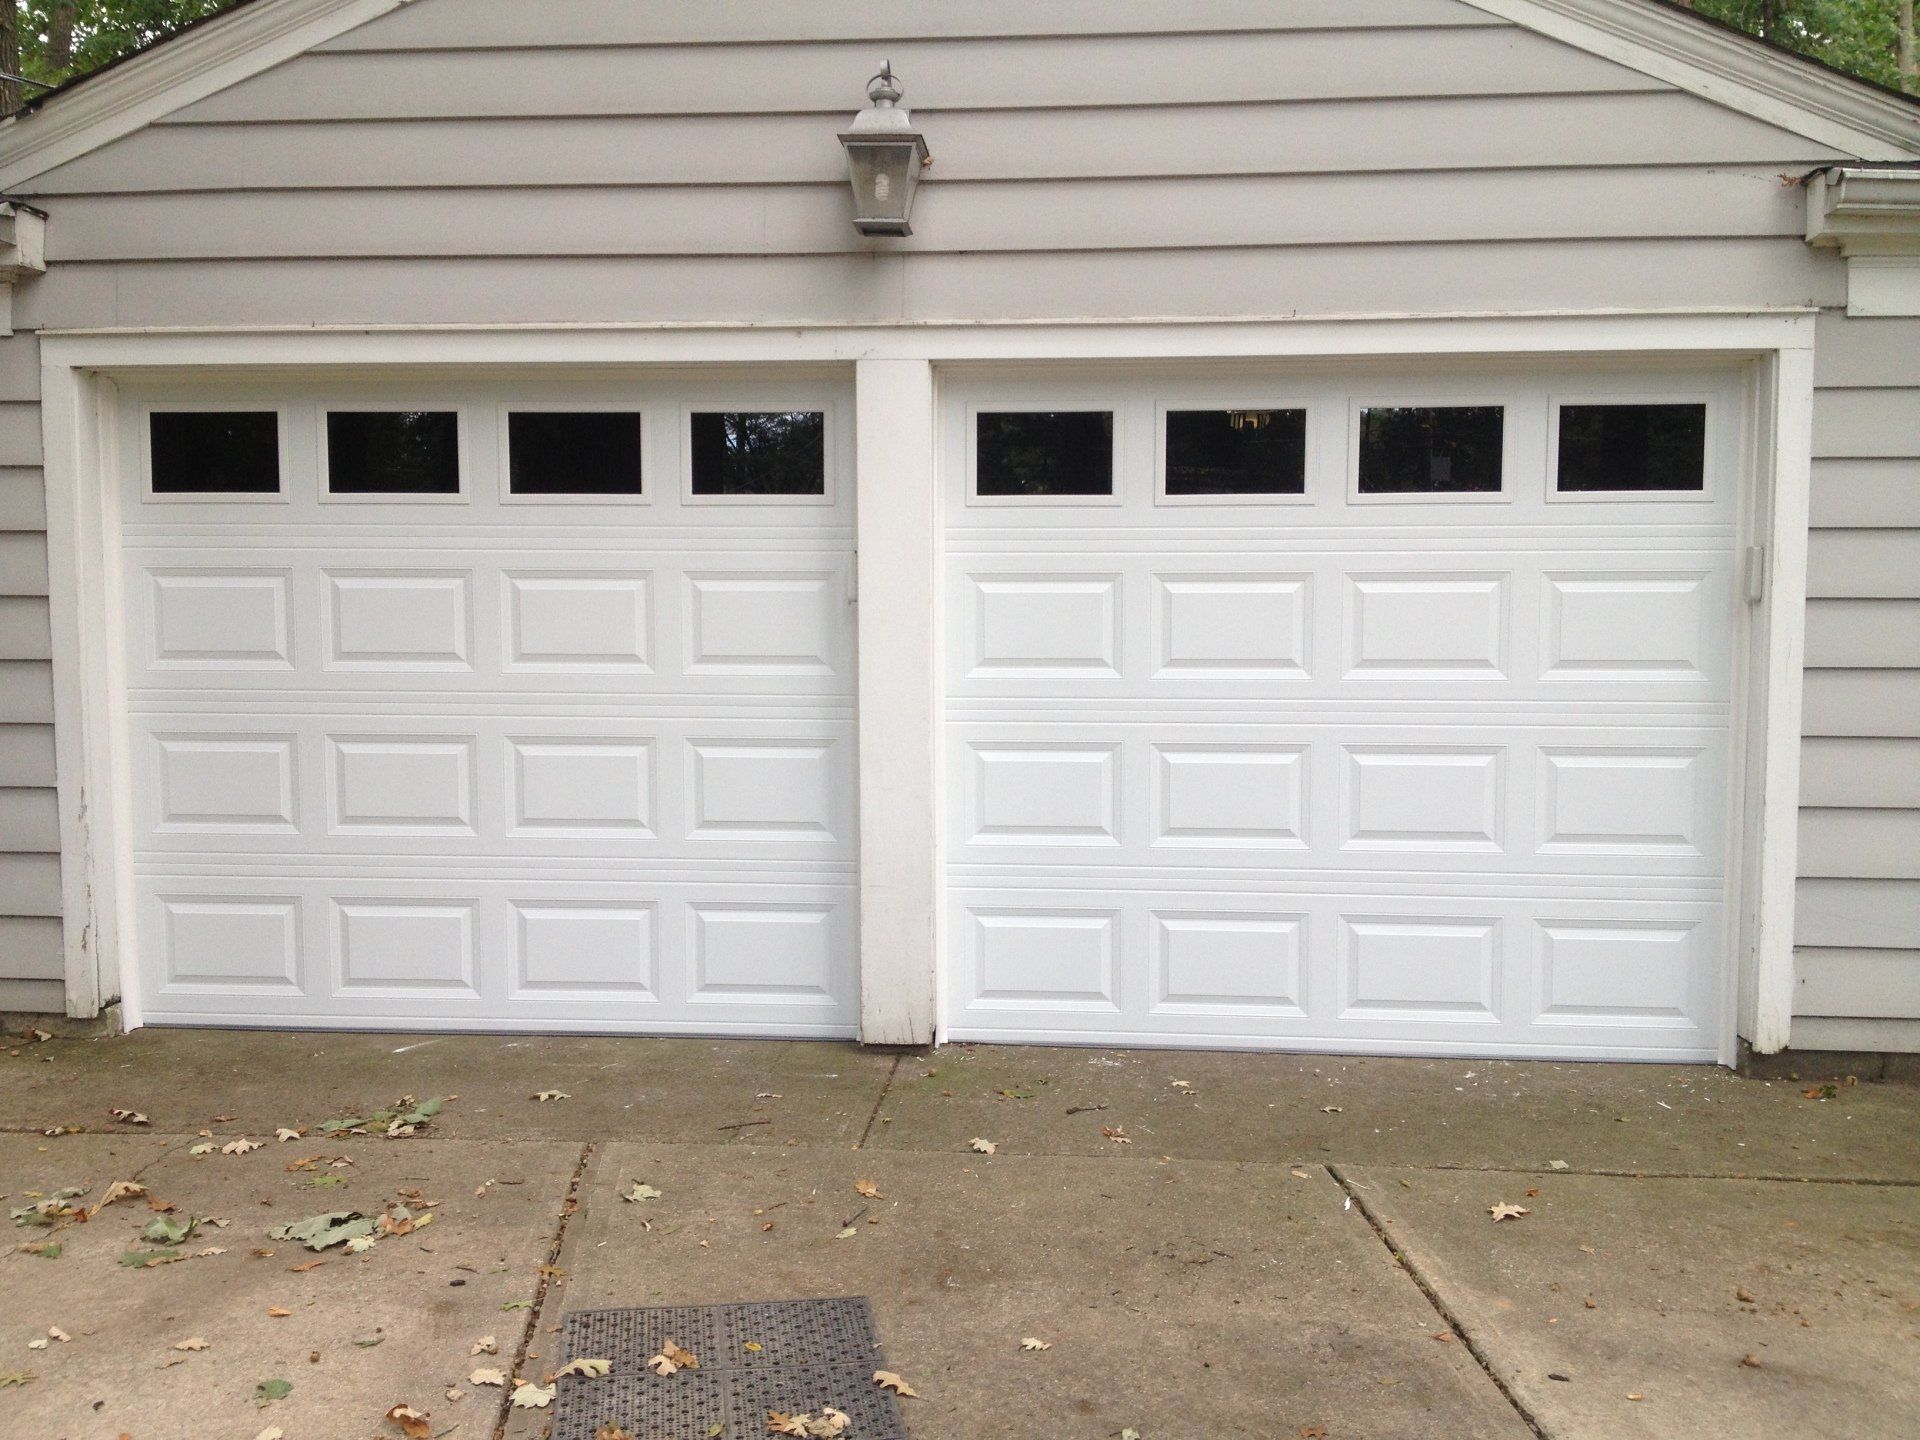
x: 239, y: 1147
x: 1744, y: 1296
x: 641, y: 1192
x: 272, y: 1432
x: 1557, y: 1165
x: 610, y: 1431
x: 277, y: 1313
x: 984, y: 1147
x: 1032, y: 1343
x: 545, y: 1095
x: 1635, y: 1395
x: 306, y: 1265
x: 165, y: 1230
x: 286, y: 1133
x: 454, y: 1392
x: 268, y: 1391
x: 1329, y: 1109
x: 671, y: 1359
x: 320, y: 1232
x: 518, y: 1305
x: 39, y: 1344
x: 1752, y: 1362
x: 528, y: 1396
x: 359, y: 1245
x: 129, y: 1117
x: 870, y: 1189
x: 15, y: 1377
x: 1117, y: 1134
x: 487, y: 1377
x: 119, y: 1190
x: 192, y: 1342
x: 410, y: 1422
x: 1504, y: 1211
x: 592, y: 1369
x: 888, y: 1380
x: 54, y: 1332
x: 205, y: 1147
x: 485, y: 1345
x: 46, y: 1249
x: 1181, y: 1084
x: 147, y: 1259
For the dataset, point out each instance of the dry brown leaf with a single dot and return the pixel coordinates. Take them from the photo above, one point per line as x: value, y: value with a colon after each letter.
x: 545, y: 1095
x: 984, y: 1147
x: 239, y: 1147
x: 277, y: 1313
x: 119, y: 1190
x: 286, y: 1133
x: 528, y: 1396
x: 487, y: 1377
x: 129, y: 1117
x: 610, y: 1431
x: 192, y: 1342
x: 587, y: 1369
x: 302, y: 1269
x: 1504, y: 1211
x: 410, y: 1422
x: 1031, y: 1342
x: 1117, y: 1134
x: 1752, y: 1362
x: 485, y: 1345
x: 672, y: 1358
x: 870, y: 1189
x: 888, y: 1380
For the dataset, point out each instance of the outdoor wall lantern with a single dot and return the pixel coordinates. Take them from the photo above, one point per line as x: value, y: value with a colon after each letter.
x: 885, y: 155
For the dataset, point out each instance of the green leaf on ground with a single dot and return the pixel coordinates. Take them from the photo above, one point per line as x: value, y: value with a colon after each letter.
x: 166, y: 1230
x: 49, y: 1250
x: 320, y: 1232
x: 268, y: 1391
x: 14, y: 1377
x: 147, y: 1259
x: 518, y: 1305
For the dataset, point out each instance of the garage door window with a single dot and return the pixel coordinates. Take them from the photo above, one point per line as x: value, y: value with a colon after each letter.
x: 1632, y: 449
x: 393, y: 452
x: 214, y: 452
x: 1431, y: 450
x: 759, y: 454
x: 585, y: 453
x: 1247, y: 453
x: 1043, y: 454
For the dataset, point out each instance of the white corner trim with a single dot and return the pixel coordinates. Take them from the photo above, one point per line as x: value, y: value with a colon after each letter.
x: 1729, y: 69
x: 1871, y: 214
x: 172, y: 75
x: 1784, y: 426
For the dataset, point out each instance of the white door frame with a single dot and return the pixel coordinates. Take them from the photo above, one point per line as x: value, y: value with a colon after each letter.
x: 898, y: 519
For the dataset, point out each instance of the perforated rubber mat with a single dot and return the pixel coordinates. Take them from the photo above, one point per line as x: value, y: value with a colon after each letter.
x: 796, y: 1356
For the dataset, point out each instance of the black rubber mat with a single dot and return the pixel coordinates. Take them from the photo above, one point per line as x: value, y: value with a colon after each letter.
x: 795, y: 1356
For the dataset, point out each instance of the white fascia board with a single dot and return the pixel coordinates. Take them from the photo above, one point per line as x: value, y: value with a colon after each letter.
x: 1728, y: 69
x: 172, y: 75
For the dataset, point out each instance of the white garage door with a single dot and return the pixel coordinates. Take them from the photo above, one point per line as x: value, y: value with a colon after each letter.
x: 492, y: 706
x: 1370, y: 711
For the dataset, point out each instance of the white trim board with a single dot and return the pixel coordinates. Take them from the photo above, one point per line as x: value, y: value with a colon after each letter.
x: 89, y: 685
x: 1729, y: 69
x: 171, y: 75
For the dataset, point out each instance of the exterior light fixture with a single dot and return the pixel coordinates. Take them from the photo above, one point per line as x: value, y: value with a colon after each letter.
x: 885, y: 155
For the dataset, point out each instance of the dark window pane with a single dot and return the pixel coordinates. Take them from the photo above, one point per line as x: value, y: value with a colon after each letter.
x: 215, y: 452
x: 1044, y: 452
x: 586, y: 452
x: 1236, y: 452
x: 1430, y: 450
x: 1633, y: 447
x: 393, y: 452
x: 758, y: 452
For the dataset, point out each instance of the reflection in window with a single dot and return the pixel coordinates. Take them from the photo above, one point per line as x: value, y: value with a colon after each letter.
x: 586, y: 452
x: 1633, y: 447
x: 214, y: 452
x: 393, y: 452
x: 1236, y: 452
x: 1043, y: 452
x: 756, y: 452
x: 1430, y: 450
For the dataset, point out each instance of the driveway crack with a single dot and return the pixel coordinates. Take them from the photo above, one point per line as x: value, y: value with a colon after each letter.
x: 1439, y: 1305
x: 568, y: 1207
x: 873, y: 1115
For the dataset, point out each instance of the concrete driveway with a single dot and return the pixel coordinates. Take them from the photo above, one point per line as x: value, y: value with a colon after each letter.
x: 1212, y: 1245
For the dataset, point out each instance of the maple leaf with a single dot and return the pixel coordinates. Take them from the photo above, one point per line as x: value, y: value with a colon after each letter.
x: 545, y: 1095
x: 192, y: 1342
x: 983, y: 1147
x: 1117, y: 1134
x: 887, y: 1380
x: 1504, y: 1211
x: 286, y: 1133
x: 593, y: 1369
x: 870, y: 1189
x: 672, y: 1358
x: 321, y: 1232
x: 485, y: 1345
x: 641, y: 1192
x: 239, y: 1147
x: 528, y: 1396
x: 205, y: 1147
x: 15, y: 1377
x: 147, y: 1259
x: 487, y: 1377
x: 129, y: 1117
x: 410, y: 1422
x: 1033, y: 1343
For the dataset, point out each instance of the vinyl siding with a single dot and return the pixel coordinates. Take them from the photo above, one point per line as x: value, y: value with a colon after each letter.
x: 476, y: 161
x: 1858, y: 913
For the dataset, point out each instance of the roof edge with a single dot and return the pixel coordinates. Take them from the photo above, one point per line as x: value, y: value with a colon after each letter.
x: 188, y: 66
x: 1730, y: 68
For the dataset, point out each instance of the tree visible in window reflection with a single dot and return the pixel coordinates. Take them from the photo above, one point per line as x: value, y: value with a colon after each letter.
x: 759, y: 452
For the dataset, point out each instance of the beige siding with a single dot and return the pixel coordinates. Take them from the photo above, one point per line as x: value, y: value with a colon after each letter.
x: 29, y: 824
x: 473, y: 161
x: 1858, y: 918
